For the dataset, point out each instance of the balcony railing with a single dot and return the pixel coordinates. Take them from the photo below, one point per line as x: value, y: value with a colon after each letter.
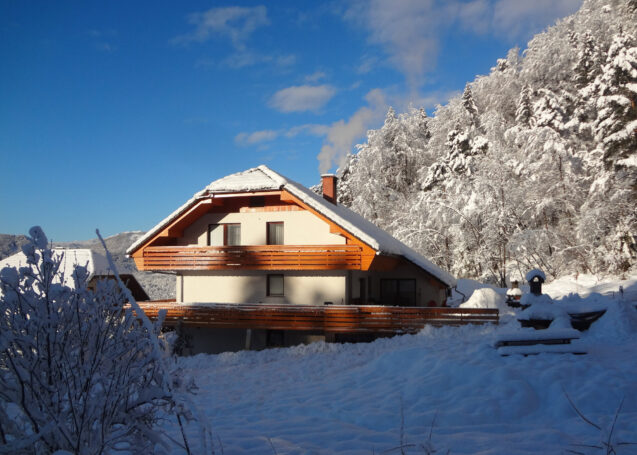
x: 264, y: 257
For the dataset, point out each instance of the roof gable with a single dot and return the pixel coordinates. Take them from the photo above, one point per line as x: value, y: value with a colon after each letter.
x: 256, y: 179
x: 263, y: 178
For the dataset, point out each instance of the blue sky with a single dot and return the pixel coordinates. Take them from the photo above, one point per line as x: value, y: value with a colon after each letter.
x: 112, y: 114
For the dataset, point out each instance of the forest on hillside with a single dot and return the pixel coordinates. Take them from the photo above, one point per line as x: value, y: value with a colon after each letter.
x: 534, y: 165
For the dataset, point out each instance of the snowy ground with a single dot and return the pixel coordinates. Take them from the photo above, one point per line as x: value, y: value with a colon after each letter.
x: 332, y: 398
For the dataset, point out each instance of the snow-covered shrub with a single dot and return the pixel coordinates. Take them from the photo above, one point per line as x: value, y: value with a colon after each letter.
x: 485, y: 298
x: 78, y: 371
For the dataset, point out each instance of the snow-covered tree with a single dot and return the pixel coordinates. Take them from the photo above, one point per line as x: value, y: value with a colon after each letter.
x: 549, y: 111
x: 587, y: 60
x: 541, y: 175
x: 616, y: 124
x: 470, y: 106
x: 78, y: 371
x: 524, y: 111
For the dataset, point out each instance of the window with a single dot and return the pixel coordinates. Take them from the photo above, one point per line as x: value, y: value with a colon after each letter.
x: 224, y: 234
x: 275, y: 286
x: 397, y: 292
x: 275, y: 233
x: 233, y: 234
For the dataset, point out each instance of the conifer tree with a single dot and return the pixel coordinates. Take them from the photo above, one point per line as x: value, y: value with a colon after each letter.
x: 470, y: 106
x: 524, y: 112
x: 616, y: 124
x: 586, y: 62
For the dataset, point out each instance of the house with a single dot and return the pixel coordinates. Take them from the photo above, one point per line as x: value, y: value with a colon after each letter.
x: 257, y: 237
x: 96, y: 266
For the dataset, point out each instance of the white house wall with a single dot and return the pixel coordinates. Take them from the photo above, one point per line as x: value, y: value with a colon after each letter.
x: 426, y: 292
x: 301, y: 288
x: 307, y: 287
x: 299, y: 228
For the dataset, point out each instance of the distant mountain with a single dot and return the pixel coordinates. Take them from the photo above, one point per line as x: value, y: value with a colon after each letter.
x: 534, y: 165
x: 157, y: 285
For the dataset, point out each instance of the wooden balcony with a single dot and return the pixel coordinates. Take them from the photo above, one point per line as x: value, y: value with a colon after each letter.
x: 327, y: 319
x: 262, y: 257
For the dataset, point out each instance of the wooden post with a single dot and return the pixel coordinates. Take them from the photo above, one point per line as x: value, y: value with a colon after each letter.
x: 248, y: 339
x: 536, y: 285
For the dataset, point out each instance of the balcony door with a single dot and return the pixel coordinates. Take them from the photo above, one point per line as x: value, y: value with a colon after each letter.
x: 398, y: 292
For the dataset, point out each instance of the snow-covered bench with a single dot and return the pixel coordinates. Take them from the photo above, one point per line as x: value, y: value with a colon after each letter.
x: 527, y: 342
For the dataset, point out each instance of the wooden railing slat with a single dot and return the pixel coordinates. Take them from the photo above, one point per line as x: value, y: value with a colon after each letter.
x: 259, y: 257
x: 337, y: 318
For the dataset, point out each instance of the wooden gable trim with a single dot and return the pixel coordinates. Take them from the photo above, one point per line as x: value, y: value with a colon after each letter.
x: 173, y: 229
x: 248, y: 193
x: 368, y: 253
x: 197, y: 208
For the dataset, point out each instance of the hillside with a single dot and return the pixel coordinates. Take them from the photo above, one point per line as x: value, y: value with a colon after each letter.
x: 157, y: 285
x: 534, y: 165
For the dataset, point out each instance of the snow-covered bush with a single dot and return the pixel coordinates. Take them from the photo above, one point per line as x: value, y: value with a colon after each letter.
x: 78, y: 371
x: 485, y: 298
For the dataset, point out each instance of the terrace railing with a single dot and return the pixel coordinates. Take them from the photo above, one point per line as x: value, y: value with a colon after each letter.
x: 328, y: 318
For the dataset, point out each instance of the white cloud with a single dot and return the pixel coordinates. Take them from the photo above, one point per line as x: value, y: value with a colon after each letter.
x: 408, y: 30
x: 343, y: 134
x: 476, y: 16
x: 245, y: 58
x: 285, y: 60
x: 242, y: 59
x: 313, y: 129
x: 315, y: 77
x: 340, y: 136
x: 256, y: 137
x: 523, y: 18
x: 260, y: 137
x: 367, y: 64
x: 302, y: 98
x: 234, y: 22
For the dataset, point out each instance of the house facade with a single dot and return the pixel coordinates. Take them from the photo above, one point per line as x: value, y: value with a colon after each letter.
x: 258, y: 237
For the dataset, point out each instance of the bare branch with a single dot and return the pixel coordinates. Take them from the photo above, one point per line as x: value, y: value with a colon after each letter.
x: 582, y: 416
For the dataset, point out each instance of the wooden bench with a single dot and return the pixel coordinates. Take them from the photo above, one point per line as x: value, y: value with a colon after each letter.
x: 539, y: 341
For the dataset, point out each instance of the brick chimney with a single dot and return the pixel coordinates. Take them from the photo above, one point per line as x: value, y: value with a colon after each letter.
x: 329, y: 187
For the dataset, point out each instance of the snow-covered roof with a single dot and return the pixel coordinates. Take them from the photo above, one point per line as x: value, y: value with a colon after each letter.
x: 535, y: 273
x: 95, y: 263
x: 263, y: 178
x: 256, y: 179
